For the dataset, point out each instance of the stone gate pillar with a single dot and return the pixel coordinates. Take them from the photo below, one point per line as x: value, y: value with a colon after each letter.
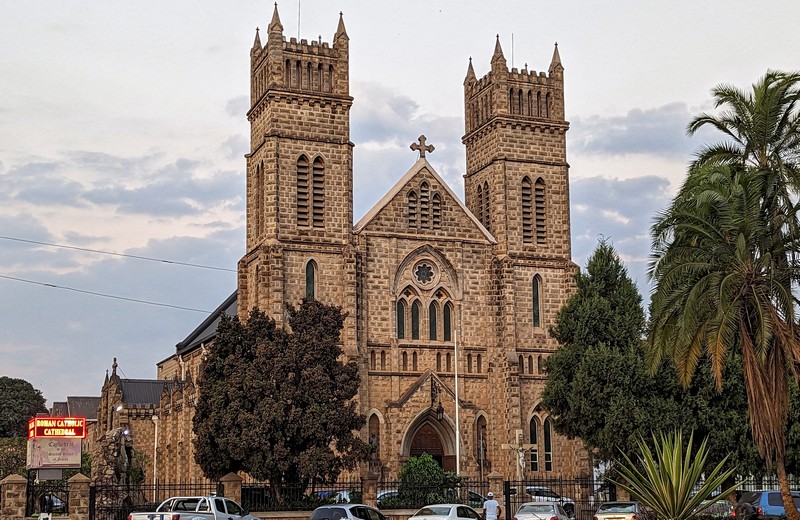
x: 232, y: 483
x: 369, y: 488
x: 78, y: 497
x: 13, y: 489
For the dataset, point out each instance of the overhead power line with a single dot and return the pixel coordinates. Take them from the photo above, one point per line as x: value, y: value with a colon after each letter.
x: 134, y: 300
x: 112, y: 253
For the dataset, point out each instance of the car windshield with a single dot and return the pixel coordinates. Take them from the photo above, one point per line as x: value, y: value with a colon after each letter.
x: 542, y: 492
x: 329, y: 513
x: 433, y: 511
x: 617, y: 507
x: 536, y: 508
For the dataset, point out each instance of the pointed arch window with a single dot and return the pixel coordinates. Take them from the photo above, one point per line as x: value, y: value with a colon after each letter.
x: 534, y: 440
x: 486, y: 206
x: 480, y: 205
x: 318, y: 192
x: 530, y: 365
x: 373, y: 364
x: 405, y: 360
x: 479, y: 368
x: 540, y: 212
x: 383, y: 360
x: 537, y: 301
x: 303, y: 191
x: 414, y: 361
x: 433, y: 314
x: 298, y: 68
x: 424, y: 205
x: 438, y: 362
x: 539, y: 104
x: 521, y: 365
x: 469, y: 363
x: 401, y: 319
x: 415, y: 320
x: 548, y: 445
x: 448, y: 322
x: 540, y: 363
x: 261, y: 205
x: 436, y: 211
x: 547, y: 105
x: 287, y: 73
x: 311, y: 280
x: 527, y: 211
x: 447, y: 361
x: 412, y: 209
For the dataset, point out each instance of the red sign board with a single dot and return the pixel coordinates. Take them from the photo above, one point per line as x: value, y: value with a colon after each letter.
x: 58, y: 427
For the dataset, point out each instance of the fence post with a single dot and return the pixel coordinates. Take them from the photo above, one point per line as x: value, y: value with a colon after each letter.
x: 232, y: 484
x: 369, y: 488
x: 78, y: 497
x: 14, y: 494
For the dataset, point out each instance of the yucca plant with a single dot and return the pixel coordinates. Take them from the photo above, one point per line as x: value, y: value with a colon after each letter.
x: 667, y: 481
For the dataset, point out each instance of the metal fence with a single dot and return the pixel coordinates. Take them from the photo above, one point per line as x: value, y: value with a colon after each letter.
x: 396, y: 495
x: 116, y: 501
x: 46, y: 496
x: 578, y: 496
x: 262, y: 496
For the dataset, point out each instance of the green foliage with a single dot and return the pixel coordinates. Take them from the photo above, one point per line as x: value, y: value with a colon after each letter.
x: 667, y: 481
x: 19, y: 402
x: 598, y: 388
x: 12, y: 456
x: 423, y: 481
x: 279, y: 404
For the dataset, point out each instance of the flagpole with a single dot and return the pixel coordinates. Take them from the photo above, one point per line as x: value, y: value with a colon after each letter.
x: 458, y: 434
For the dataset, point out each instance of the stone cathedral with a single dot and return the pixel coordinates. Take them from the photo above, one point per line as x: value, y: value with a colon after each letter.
x: 442, y: 294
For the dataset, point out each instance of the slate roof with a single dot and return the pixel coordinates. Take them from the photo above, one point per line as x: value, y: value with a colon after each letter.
x: 76, y: 406
x: 208, y: 328
x: 145, y: 392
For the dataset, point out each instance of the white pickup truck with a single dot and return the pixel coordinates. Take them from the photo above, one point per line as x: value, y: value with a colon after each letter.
x: 195, y: 508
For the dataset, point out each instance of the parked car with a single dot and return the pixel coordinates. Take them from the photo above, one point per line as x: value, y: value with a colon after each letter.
x: 334, y: 496
x: 763, y: 504
x: 195, y: 508
x: 545, y: 494
x: 541, y: 511
x: 383, y: 496
x: 718, y: 509
x: 347, y: 512
x: 446, y: 512
x: 50, y: 503
x: 620, y: 510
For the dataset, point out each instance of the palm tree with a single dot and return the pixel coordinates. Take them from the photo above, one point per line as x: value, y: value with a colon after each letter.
x: 725, y: 257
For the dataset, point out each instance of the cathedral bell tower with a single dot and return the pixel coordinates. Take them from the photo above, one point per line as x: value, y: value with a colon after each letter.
x: 517, y: 180
x: 299, y: 172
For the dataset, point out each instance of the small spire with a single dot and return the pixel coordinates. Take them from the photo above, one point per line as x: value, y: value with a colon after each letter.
x: 470, y: 73
x: 556, y: 61
x: 106, y: 380
x: 275, y: 24
x: 498, y: 60
x: 257, y: 42
x: 340, y: 30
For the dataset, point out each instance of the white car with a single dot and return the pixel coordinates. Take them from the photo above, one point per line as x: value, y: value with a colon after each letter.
x: 545, y: 494
x: 446, y: 512
x: 541, y: 511
x: 347, y: 512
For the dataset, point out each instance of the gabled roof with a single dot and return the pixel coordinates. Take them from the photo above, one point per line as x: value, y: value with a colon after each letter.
x: 422, y: 163
x: 208, y: 328
x: 83, y: 406
x: 145, y: 391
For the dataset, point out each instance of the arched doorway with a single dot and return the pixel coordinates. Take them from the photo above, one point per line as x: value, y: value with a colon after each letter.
x: 428, y: 440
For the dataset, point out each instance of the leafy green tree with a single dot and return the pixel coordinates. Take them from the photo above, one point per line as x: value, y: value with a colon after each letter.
x: 19, y: 401
x: 668, y: 481
x: 423, y: 481
x: 598, y: 388
x: 12, y: 456
x: 279, y: 404
x: 725, y: 257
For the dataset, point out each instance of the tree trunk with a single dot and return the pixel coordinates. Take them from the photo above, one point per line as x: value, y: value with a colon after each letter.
x: 786, y: 494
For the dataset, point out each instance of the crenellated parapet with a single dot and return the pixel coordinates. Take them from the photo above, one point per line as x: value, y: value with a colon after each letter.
x: 299, y: 67
x: 516, y: 94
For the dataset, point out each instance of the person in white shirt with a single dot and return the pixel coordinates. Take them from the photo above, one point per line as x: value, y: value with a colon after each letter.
x: 491, y: 508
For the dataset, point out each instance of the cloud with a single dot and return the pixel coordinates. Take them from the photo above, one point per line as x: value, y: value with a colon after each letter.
x: 237, y: 106
x: 620, y: 211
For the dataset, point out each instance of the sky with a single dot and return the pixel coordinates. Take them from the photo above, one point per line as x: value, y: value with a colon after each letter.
x: 123, y: 129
